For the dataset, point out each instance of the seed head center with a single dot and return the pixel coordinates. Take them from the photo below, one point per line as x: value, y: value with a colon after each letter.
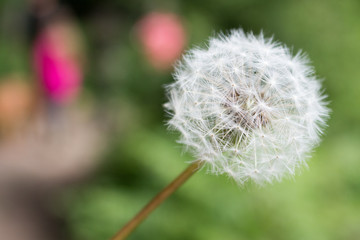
x: 243, y: 110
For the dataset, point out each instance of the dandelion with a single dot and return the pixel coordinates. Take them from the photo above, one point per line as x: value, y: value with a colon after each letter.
x: 245, y: 107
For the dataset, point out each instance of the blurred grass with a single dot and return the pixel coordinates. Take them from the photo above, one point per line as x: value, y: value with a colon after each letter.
x: 323, y: 202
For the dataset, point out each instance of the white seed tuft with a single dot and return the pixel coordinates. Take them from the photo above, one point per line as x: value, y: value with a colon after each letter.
x: 247, y: 107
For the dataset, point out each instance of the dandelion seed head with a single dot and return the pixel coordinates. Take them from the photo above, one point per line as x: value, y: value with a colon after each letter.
x: 247, y: 107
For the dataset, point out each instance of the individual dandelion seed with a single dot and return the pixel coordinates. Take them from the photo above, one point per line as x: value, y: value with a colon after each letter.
x: 246, y: 108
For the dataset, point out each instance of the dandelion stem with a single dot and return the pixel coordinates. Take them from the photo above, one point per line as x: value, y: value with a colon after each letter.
x: 157, y: 200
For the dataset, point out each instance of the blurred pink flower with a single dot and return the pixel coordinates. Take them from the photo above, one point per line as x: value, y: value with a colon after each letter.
x: 163, y: 38
x: 57, y: 62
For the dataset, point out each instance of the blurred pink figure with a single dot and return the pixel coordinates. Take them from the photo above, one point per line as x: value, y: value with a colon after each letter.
x: 163, y: 38
x: 57, y: 61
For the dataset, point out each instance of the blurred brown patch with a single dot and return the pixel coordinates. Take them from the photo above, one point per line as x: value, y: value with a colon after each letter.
x: 16, y: 103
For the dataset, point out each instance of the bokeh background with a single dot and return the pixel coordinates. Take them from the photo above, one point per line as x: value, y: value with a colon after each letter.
x: 78, y: 162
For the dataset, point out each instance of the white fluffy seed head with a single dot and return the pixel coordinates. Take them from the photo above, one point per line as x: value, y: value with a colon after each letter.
x: 247, y: 107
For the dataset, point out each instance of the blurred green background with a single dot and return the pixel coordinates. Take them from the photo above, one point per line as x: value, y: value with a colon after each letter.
x: 322, y: 202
